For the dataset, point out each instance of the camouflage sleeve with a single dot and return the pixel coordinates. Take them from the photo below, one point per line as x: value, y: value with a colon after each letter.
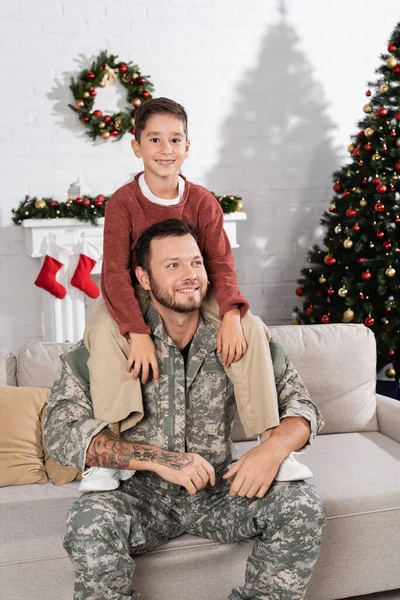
x: 293, y: 397
x: 69, y: 424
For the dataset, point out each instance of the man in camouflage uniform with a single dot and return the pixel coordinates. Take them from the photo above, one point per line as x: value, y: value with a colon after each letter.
x: 182, y: 452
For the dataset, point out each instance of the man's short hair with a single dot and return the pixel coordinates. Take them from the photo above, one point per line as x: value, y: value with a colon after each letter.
x: 158, y: 106
x: 158, y: 231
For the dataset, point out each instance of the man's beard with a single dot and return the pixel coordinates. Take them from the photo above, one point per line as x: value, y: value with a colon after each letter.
x: 167, y: 300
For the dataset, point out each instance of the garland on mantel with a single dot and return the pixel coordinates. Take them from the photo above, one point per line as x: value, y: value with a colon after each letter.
x: 88, y: 208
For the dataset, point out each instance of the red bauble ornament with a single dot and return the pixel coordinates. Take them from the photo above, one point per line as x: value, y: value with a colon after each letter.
x: 356, y: 227
x: 309, y: 311
x: 369, y: 322
x: 331, y: 291
x: 360, y: 163
x: 299, y: 291
x: 100, y: 198
x: 123, y: 68
x: 397, y: 116
x: 52, y: 203
x: 86, y: 202
x: 397, y: 166
x: 388, y: 309
x: 360, y: 260
x: 346, y: 193
x: 380, y: 234
x: 90, y: 75
x: 391, y: 352
x: 384, y: 149
x: 365, y: 181
x: 78, y: 200
x: 376, y: 180
x: 382, y: 111
x: 329, y: 260
x: 97, y: 113
x: 393, y: 133
x: 366, y: 276
x: 392, y: 48
x: 114, y: 132
x: 360, y: 134
x: 396, y: 69
x: 392, y: 188
x: 107, y: 119
x: 325, y: 319
x: 362, y: 297
x: 132, y: 131
x: 381, y: 188
x: 142, y: 80
x: 98, y: 203
x: 146, y: 94
x: 367, y: 147
x: 350, y: 212
x: 93, y: 93
x: 386, y: 245
x: 397, y: 219
x: 85, y: 119
x: 337, y: 187
x: 368, y: 93
x: 356, y: 152
x: 379, y: 207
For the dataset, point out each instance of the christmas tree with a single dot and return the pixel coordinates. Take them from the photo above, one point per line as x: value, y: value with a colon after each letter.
x: 355, y: 275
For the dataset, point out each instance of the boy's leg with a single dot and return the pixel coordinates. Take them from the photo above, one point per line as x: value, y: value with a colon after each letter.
x: 287, y: 527
x: 253, y: 376
x: 103, y: 532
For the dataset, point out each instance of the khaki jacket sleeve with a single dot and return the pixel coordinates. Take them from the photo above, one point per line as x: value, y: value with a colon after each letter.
x: 69, y: 424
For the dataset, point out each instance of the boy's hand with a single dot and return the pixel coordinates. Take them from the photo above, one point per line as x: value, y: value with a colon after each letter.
x: 142, y: 355
x: 230, y: 339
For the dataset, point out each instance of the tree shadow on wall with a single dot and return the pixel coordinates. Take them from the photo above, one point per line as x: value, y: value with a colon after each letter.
x: 278, y: 154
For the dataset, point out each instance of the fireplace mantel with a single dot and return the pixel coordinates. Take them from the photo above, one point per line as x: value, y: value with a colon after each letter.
x: 65, y: 319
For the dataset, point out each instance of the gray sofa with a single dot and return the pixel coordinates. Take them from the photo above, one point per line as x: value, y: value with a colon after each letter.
x: 356, y: 463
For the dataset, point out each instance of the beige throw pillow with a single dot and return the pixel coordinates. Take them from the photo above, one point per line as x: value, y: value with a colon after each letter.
x: 21, y: 449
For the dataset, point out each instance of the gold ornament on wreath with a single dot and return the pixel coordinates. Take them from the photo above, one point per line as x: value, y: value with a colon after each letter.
x: 106, y: 69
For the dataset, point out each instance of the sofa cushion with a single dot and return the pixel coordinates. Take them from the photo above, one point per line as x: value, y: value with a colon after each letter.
x: 8, y: 368
x: 338, y: 366
x: 21, y: 449
x: 38, y: 363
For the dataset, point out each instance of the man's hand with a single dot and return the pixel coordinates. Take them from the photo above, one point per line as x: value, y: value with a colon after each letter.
x: 230, y: 339
x: 187, y: 469
x: 255, y: 471
x: 142, y: 356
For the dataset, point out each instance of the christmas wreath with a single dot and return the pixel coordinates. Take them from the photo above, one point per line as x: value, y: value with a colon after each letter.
x: 88, y: 208
x: 108, y: 69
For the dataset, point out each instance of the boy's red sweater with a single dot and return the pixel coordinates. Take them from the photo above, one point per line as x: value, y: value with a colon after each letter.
x: 128, y: 215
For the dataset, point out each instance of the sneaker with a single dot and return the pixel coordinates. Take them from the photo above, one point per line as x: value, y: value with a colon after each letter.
x: 125, y: 474
x: 292, y: 470
x: 99, y: 479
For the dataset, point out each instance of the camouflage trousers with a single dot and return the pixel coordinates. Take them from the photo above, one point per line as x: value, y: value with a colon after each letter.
x: 105, y: 530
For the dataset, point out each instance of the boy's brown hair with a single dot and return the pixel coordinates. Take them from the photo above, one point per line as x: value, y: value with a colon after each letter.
x: 158, y: 106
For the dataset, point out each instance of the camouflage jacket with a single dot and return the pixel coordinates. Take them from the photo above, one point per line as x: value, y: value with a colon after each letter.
x: 188, y: 411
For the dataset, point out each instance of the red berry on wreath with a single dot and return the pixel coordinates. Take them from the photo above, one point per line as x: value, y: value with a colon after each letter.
x: 369, y: 321
x: 146, y: 94
x: 337, y: 187
x: 381, y: 188
x: 360, y: 134
x: 366, y: 276
x: 93, y: 93
x: 114, y: 132
x: 123, y: 68
x: 386, y: 245
x: 299, y: 291
x: 382, y: 111
x: 397, y: 219
x: 78, y: 200
x: 142, y: 80
x: 393, y: 133
x: 379, y: 207
x: 391, y: 352
x: 392, y: 48
x: 90, y: 75
x: 325, y: 319
x: 98, y: 113
x: 86, y: 202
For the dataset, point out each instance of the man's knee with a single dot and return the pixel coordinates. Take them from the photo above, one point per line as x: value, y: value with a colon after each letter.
x: 300, y: 503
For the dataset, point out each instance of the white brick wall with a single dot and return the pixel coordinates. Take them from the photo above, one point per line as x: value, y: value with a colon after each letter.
x: 271, y: 107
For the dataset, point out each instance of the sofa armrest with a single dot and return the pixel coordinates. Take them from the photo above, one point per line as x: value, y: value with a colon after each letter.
x: 389, y: 416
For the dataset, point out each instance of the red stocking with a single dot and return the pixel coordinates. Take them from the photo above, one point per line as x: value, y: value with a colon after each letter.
x: 55, y: 257
x: 88, y: 256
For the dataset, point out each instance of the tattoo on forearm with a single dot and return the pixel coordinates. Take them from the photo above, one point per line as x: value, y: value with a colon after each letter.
x: 108, y: 449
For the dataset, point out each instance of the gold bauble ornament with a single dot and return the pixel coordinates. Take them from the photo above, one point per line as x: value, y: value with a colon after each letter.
x: 348, y: 243
x: 118, y: 124
x: 350, y: 148
x: 135, y: 75
x: 376, y: 156
x: 79, y: 104
x: 105, y: 135
x: 136, y: 102
x: 363, y: 202
x: 373, y: 116
x: 102, y: 84
x: 367, y: 108
x: 86, y: 94
x: 133, y: 122
x: 40, y: 204
x: 368, y: 131
x: 384, y: 88
x: 296, y: 321
x: 239, y: 206
x: 342, y: 292
x: 391, y: 62
x: 348, y: 316
x: 322, y: 279
x: 126, y: 77
x: 102, y: 124
x: 390, y: 272
x: 338, y: 229
x: 390, y: 372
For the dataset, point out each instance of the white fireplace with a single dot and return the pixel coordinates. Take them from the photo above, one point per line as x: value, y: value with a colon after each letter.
x: 64, y: 320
